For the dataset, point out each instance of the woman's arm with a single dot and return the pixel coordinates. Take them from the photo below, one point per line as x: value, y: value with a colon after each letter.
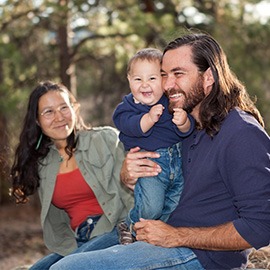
x: 137, y: 164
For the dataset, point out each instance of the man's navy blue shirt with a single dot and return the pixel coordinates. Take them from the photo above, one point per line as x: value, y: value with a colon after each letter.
x: 227, y: 178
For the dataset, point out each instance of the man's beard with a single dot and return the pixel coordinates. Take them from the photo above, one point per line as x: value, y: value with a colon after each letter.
x: 191, y: 99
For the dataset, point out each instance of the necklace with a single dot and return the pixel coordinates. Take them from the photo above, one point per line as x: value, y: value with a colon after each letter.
x: 64, y: 158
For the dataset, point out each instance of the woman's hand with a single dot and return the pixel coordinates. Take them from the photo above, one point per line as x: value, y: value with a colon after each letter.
x: 137, y: 164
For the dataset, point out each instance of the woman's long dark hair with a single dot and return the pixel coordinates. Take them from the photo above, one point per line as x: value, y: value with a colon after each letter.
x: 33, y: 145
x: 227, y: 92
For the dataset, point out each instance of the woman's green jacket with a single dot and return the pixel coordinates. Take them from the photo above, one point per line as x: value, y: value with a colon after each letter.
x: 99, y: 156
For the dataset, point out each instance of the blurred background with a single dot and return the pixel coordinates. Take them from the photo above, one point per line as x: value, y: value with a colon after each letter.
x: 85, y: 44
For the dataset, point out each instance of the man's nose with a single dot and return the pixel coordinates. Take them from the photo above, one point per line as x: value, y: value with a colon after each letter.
x: 168, y: 83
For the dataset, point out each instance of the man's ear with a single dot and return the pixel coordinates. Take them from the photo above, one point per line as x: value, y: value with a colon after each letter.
x: 208, y: 81
x: 37, y: 123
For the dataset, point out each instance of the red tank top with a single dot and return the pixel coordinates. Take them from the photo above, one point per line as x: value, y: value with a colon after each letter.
x: 73, y: 194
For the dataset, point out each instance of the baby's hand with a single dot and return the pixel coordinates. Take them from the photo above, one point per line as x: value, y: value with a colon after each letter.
x: 149, y: 119
x: 155, y: 112
x: 180, y: 119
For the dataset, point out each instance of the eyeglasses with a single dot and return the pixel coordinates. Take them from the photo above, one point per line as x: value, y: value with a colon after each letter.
x: 50, y: 113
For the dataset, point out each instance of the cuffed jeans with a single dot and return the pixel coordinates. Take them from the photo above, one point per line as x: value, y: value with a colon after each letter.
x: 136, y: 256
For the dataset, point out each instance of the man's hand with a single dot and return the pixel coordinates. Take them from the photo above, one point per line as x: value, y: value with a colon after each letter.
x: 156, y: 232
x: 137, y: 164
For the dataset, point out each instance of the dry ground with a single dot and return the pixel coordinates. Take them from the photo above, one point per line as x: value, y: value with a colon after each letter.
x: 21, y: 241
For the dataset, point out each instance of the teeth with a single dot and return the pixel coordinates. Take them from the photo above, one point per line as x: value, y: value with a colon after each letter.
x: 176, y: 95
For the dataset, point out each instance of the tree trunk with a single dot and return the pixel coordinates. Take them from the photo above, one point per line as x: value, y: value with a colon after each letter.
x: 67, y: 68
x: 4, y: 159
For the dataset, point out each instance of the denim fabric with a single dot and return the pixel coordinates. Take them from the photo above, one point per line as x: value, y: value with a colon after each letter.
x: 136, y: 256
x: 46, y: 262
x: 156, y: 197
x: 100, y: 242
x: 83, y: 233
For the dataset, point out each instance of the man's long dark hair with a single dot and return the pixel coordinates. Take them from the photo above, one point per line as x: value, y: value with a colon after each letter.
x: 227, y: 91
x: 30, y: 151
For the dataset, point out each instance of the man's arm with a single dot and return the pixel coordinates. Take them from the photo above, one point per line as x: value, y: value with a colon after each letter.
x: 222, y: 237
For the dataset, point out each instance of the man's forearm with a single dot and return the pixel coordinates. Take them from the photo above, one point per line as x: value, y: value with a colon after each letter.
x: 222, y: 237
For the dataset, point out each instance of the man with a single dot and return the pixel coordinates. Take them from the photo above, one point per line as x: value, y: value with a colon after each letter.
x: 225, y: 205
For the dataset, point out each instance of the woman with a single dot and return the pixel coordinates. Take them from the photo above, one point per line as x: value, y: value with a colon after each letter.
x: 75, y: 169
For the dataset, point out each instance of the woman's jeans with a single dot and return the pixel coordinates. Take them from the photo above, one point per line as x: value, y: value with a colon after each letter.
x: 136, y: 256
x: 82, y: 235
x: 157, y: 197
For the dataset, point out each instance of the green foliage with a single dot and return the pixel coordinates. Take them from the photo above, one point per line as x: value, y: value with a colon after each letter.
x: 104, y: 34
x: 97, y: 37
